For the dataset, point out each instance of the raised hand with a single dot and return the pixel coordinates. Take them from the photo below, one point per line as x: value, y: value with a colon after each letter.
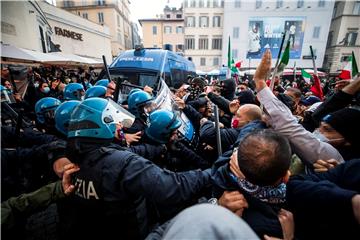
x: 263, y: 70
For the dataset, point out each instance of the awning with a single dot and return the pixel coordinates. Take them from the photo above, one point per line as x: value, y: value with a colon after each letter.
x: 214, y: 72
x: 54, y: 58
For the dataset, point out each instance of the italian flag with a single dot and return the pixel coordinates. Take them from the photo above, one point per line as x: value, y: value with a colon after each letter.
x: 350, y: 69
x: 306, y: 76
x: 284, y: 59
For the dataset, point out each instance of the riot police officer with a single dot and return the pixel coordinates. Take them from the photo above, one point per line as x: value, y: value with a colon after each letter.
x: 113, y: 183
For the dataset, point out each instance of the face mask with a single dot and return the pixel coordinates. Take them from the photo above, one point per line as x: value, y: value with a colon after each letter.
x: 46, y: 89
x: 235, y: 123
x: 82, y: 98
x: 9, y: 91
x: 36, y: 85
x: 322, y: 138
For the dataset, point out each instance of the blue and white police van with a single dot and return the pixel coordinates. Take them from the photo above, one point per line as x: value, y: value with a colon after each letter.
x: 159, y: 69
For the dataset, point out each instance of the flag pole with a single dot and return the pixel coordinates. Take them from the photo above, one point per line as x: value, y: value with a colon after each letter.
x: 295, y: 71
x: 277, y: 62
x: 313, y: 61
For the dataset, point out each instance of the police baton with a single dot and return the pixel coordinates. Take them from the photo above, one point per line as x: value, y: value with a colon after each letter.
x: 217, y: 129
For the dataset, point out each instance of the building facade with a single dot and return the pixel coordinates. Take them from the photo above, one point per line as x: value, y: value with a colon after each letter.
x: 24, y: 25
x: 204, y: 43
x: 42, y: 27
x: 166, y: 29
x: 254, y: 26
x: 112, y: 13
x: 343, y: 35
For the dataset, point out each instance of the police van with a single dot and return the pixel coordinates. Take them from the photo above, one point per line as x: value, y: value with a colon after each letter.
x: 146, y: 66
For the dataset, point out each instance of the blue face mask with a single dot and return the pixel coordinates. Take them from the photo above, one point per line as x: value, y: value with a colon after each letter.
x: 46, y: 89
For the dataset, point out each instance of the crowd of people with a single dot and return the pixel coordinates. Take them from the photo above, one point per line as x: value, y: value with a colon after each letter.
x: 288, y: 167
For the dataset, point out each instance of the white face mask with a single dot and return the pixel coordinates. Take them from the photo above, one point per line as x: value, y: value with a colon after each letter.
x: 321, y: 137
x: 36, y: 85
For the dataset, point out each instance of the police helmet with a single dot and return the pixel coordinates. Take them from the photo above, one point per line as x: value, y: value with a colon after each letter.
x: 162, y: 123
x: 137, y: 101
x: 102, y: 82
x: 45, y: 109
x: 97, y: 118
x: 63, y: 114
x: 134, y: 91
x: 73, y: 91
x: 96, y: 91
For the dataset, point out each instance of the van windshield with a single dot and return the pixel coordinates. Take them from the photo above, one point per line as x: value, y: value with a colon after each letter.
x: 136, y: 78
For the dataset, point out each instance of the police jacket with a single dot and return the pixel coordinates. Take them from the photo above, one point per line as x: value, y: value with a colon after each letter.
x: 112, y: 185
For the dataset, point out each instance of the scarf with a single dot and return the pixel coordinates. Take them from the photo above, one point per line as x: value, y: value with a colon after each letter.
x: 269, y: 194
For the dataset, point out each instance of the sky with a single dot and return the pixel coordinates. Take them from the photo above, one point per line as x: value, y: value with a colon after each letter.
x: 149, y: 8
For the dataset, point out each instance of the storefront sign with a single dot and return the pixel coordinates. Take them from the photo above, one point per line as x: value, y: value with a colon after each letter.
x: 68, y: 33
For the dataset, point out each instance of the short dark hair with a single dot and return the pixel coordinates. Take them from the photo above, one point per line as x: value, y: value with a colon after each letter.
x: 264, y: 157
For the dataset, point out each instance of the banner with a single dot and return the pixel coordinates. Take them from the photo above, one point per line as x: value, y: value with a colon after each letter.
x: 164, y: 100
x: 266, y: 32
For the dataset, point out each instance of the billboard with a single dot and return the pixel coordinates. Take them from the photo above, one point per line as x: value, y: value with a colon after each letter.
x: 266, y: 33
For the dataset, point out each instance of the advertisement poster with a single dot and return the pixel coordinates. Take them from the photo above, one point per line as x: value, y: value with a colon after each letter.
x: 266, y: 33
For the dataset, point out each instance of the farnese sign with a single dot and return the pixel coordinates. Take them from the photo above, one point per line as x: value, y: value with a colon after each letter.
x: 68, y: 33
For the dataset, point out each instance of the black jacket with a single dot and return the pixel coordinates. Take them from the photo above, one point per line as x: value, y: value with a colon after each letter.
x: 321, y: 202
x: 122, y: 180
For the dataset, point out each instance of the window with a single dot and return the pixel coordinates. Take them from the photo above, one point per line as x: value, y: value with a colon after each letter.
x: 204, y: 21
x: 335, y: 10
x: 154, y: 46
x: 189, y: 43
x: 217, y: 43
x: 345, y: 58
x: 79, y: 13
x: 258, y: 4
x: 167, y: 29
x: 178, y: 16
x: 69, y: 3
x: 179, y: 47
x: 118, y: 20
x: 201, y: 3
x: 356, y: 10
x: 216, y: 61
x: 216, y: 21
x: 202, y: 61
x: 330, y: 39
x: 85, y: 15
x: 208, y: 3
x: 316, y: 32
x: 321, y: 3
x: 193, y: 3
x: 300, y: 3
x: 179, y: 29
x: 203, y: 43
x: 235, y: 32
x: 222, y: 3
x: 101, y: 17
x: 100, y: 2
x: 190, y: 21
x: 279, y: 4
x: 154, y: 28
x: 234, y: 53
x: 168, y: 16
x: 351, y: 37
x: 215, y: 3
x: 237, y: 4
x: 42, y: 39
x: 186, y: 3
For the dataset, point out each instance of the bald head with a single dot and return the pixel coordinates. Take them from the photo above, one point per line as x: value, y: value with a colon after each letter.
x: 247, y: 113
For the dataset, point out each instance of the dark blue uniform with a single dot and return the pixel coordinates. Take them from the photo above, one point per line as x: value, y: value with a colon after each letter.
x: 112, y: 186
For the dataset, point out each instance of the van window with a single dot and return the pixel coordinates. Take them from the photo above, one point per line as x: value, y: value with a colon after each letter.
x: 147, y: 80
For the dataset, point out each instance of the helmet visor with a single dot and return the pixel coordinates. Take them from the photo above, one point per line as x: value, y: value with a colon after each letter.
x: 149, y: 107
x: 118, y: 114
